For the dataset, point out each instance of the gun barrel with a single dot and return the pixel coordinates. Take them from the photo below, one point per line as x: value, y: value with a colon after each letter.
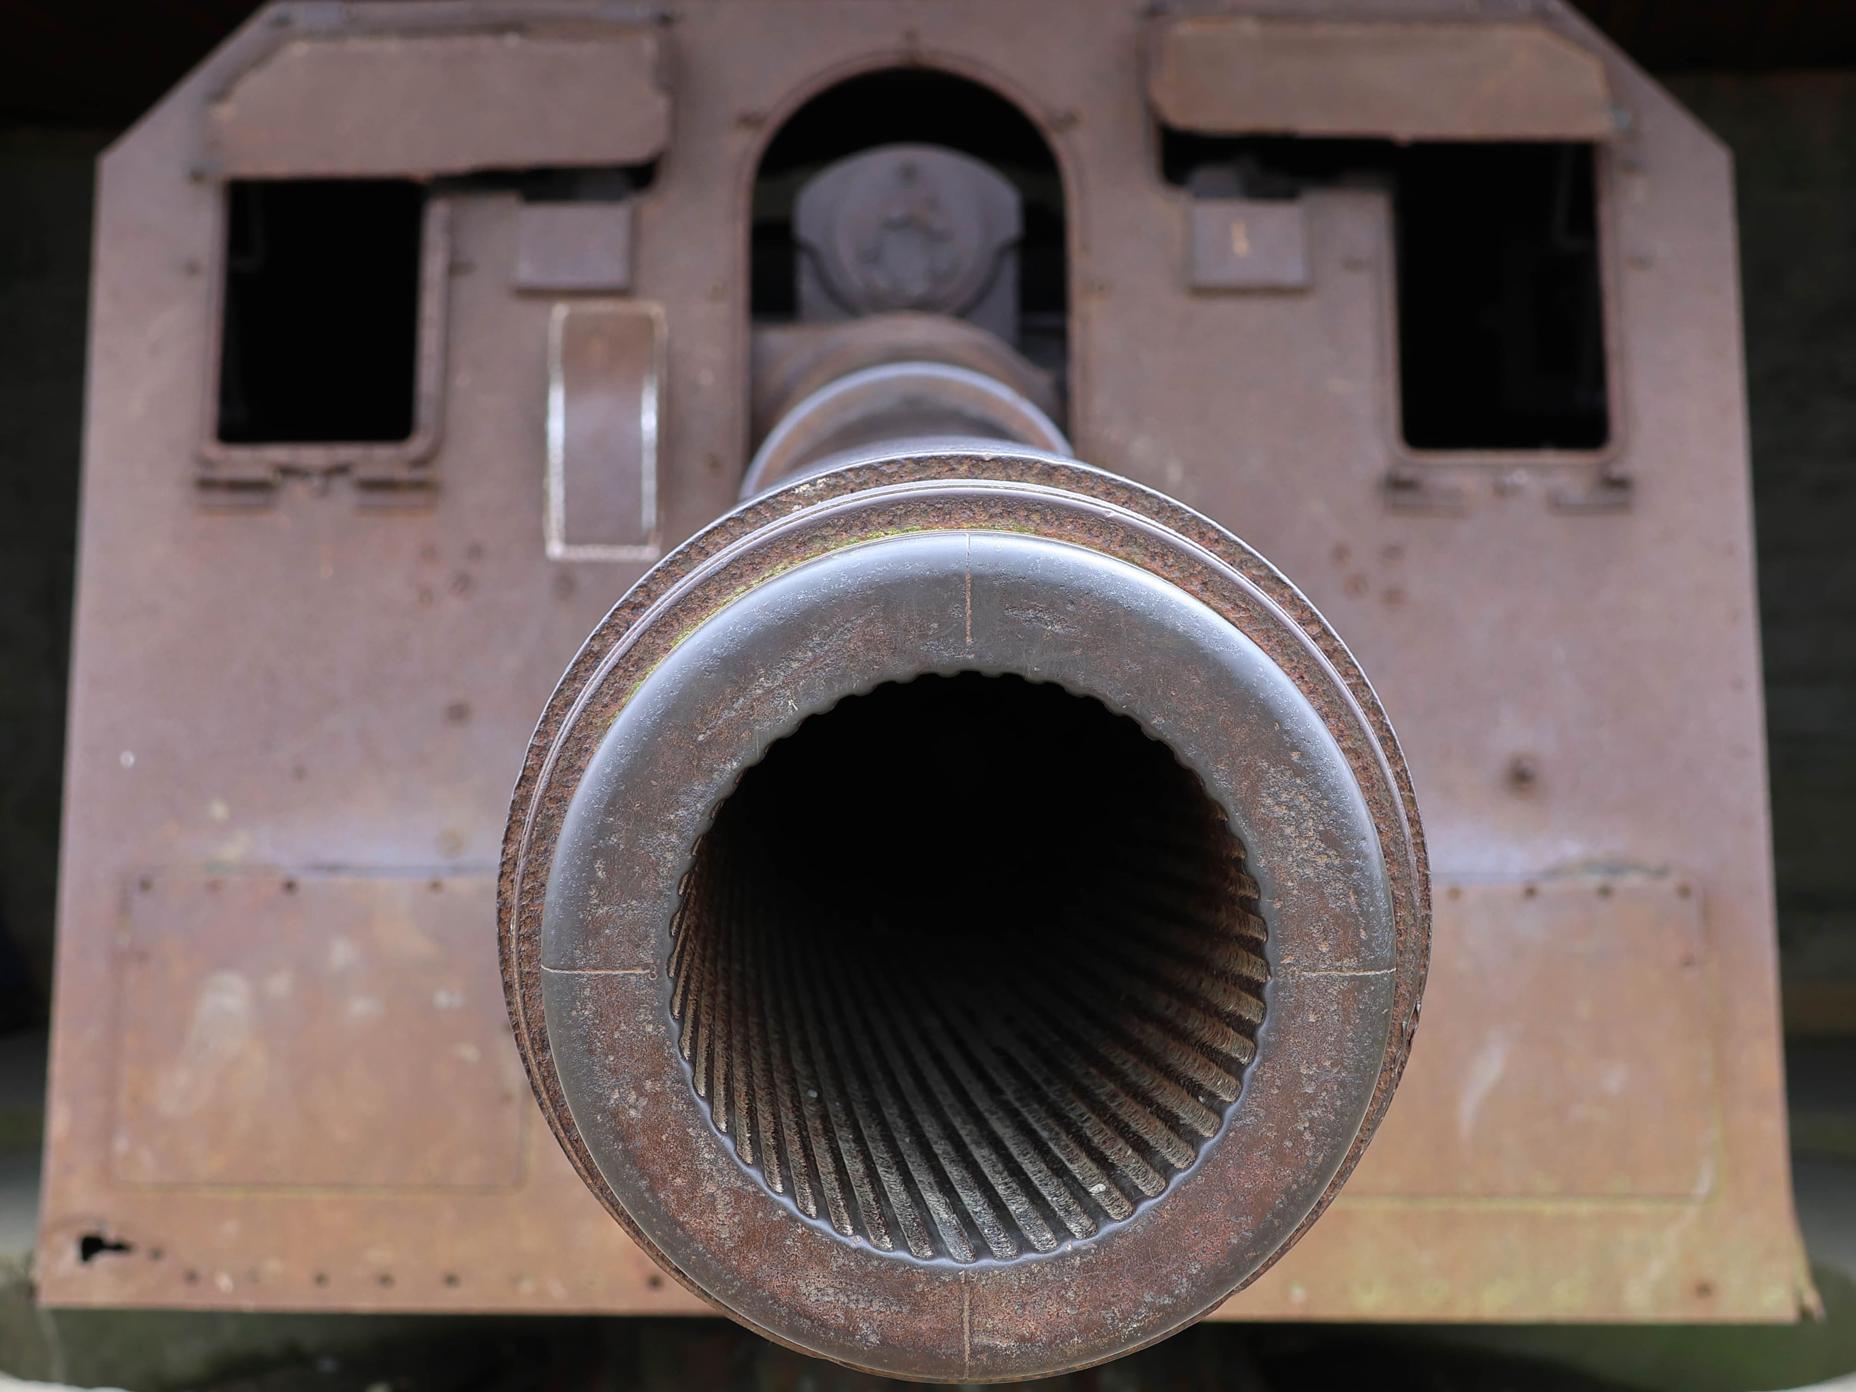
x: 964, y: 913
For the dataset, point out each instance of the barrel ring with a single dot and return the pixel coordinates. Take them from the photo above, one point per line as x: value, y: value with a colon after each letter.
x: 1227, y: 1221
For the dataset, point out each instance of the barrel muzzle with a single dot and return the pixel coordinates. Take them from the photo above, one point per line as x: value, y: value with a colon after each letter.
x: 964, y: 914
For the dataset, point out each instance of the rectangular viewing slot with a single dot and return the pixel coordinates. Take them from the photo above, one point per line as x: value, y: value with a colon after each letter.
x: 1501, y: 332
x: 319, y: 331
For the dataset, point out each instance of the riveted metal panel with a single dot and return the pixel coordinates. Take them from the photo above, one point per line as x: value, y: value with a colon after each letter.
x: 297, y: 1029
x: 1567, y: 1051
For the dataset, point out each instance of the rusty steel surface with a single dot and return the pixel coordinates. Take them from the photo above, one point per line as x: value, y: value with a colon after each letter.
x: 322, y: 1004
x: 892, y: 401
x: 307, y: 687
x: 1436, y: 80
x: 794, y: 361
x: 564, y: 248
x: 341, y: 103
x: 1092, y: 1192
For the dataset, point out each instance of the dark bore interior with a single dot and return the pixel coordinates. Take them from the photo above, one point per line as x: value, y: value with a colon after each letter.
x: 968, y: 968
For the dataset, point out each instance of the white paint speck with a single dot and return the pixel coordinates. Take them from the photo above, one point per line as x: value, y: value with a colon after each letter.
x: 1485, y: 1071
x: 216, y: 1052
